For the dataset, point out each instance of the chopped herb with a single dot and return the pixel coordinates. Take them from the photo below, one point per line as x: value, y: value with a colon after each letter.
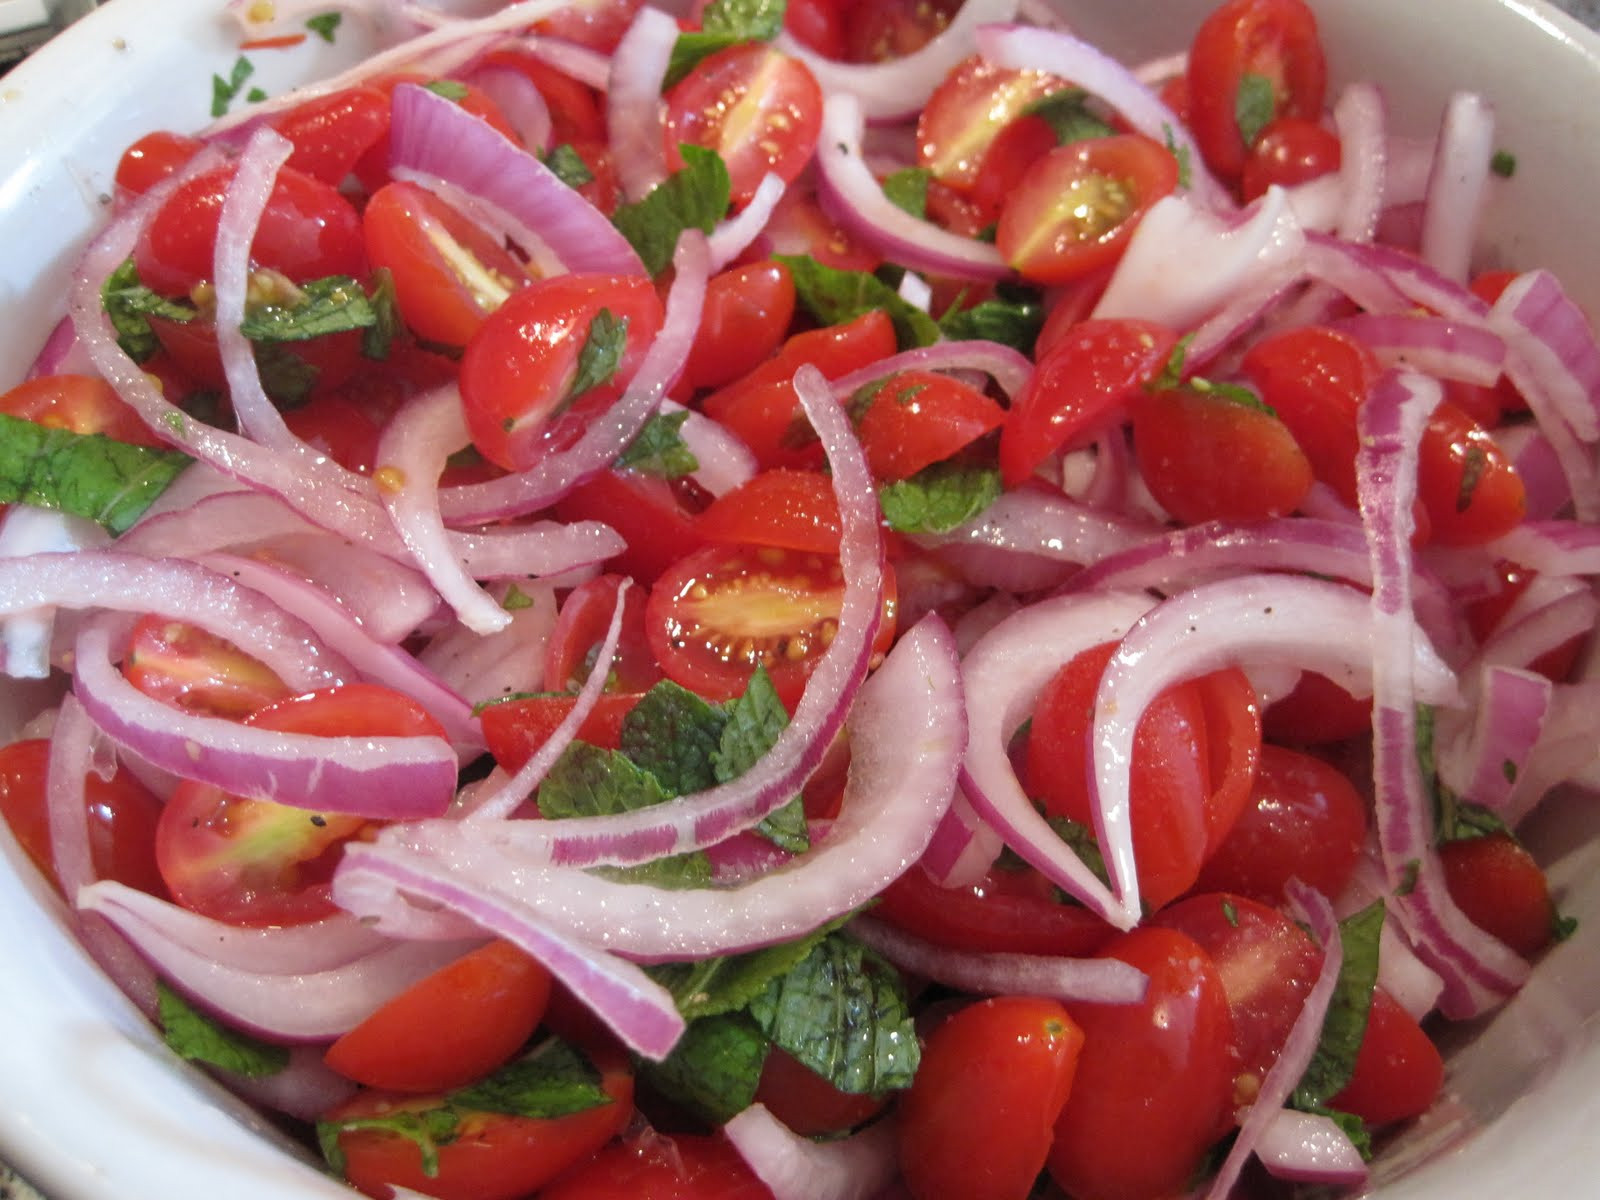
x: 1562, y: 928
x: 285, y: 376
x: 223, y: 90
x: 1230, y: 913
x: 380, y: 335
x: 129, y: 306
x: 1509, y: 770
x: 601, y: 354
x: 1069, y: 116
x: 1473, y: 464
x: 834, y: 296
x: 515, y: 599
x: 86, y: 475
x: 1013, y: 322
x: 724, y: 23
x: 587, y: 781
x: 255, y: 95
x: 198, y: 1038
x: 1254, y: 106
x: 939, y: 498
x: 324, y: 25
x: 1082, y: 840
x: 712, y: 986
x: 1454, y: 819
x: 450, y: 89
x: 755, y: 719
x: 659, y: 448
x: 1346, y: 1022
x: 335, y: 304
x: 1172, y: 374
x: 567, y: 165
x: 907, y: 188
x: 1503, y: 163
x: 673, y: 733
x: 1181, y: 153
x: 714, y: 1069
x: 695, y: 197
x: 1233, y: 393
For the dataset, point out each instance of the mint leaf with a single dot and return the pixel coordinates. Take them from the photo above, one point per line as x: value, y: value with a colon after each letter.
x: 129, y: 305
x: 601, y: 354
x: 567, y: 165
x: 1503, y: 163
x: 1346, y: 1023
x: 285, y: 376
x: 86, y: 475
x: 834, y: 296
x: 674, y: 734
x: 1171, y: 375
x: 1454, y: 820
x: 755, y: 719
x: 450, y: 89
x: 386, y: 324
x: 223, y: 90
x: 939, y: 498
x: 714, y: 1069
x: 198, y: 1038
x: 587, y: 781
x: 843, y: 1012
x: 552, y: 1080
x: 1181, y: 153
x: 659, y: 449
x: 335, y: 304
x: 724, y: 23
x: 711, y: 986
x: 1068, y: 114
x: 1011, y: 322
x: 324, y: 25
x: 429, y: 1128
x: 695, y: 197
x: 907, y: 188
x: 1254, y: 106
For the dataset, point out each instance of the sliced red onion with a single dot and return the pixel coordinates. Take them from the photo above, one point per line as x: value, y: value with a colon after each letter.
x: 725, y: 461
x: 1082, y: 980
x: 633, y: 101
x: 1153, y: 73
x: 1482, y: 756
x: 502, y: 664
x: 1383, y: 279
x: 900, y: 87
x: 61, y: 354
x: 588, y: 66
x: 388, y: 599
x: 436, y: 137
x: 610, y: 434
x: 1004, y: 674
x: 853, y: 197
x: 306, y: 1089
x: 1552, y: 547
x: 222, y: 521
x: 522, y: 103
x: 857, y: 1167
x: 1309, y: 1148
x: 733, y: 236
x: 1361, y: 118
x: 544, y: 549
x: 1520, y: 642
x: 1458, y: 185
x: 1432, y: 345
x: 1045, y: 525
x: 963, y: 847
x: 25, y: 637
x: 1009, y: 369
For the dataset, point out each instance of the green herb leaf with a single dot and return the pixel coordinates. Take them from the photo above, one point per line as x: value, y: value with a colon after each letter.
x: 755, y: 719
x: 568, y: 165
x: 324, y: 25
x: 450, y: 89
x: 1171, y: 375
x: 1084, y: 844
x: 429, y: 1128
x: 907, y: 188
x: 86, y: 475
x: 601, y: 354
x: 1503, y: 163
x: 129, y: 305
x: 1454, y: 820
x: 1015, y: 323
x: 939, y: 498
x: 1230, y: 913
x: 223, y: 90
x: 1069, y: 116
x: 834, y: 296
x: 285, y: 376
x: 673, y: 734
x: 1233, y: 393
x: 515, y: 599
x: 1471, y: 472
x: 1346, y: 1023
x: 380, y: 335
x: 1254, y: 106
x: 712, y: 986
x: 335, y: 304
x: 714, y: 1069
x: 552, y: 1080
x: 587, y: 781
x: 724, y: 23
x: 695, y: 197
x: 198, y: 1038
x: 1562, y: 928
x: 1181, y: 153
x: 660, y: 450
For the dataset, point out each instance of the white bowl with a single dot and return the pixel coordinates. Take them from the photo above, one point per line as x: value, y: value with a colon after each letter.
x: 95, y: 1108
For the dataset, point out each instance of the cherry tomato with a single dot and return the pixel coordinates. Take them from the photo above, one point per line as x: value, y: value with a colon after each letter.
x: 1233, y: 748
x: 806, y: 1102
x: 1255, y: 61
x: 656, y: 517
x: 888, y: 29
x: 793, y: 510
x: 717, y: 615
x: 256, y: 862
x: 1497, y: 883
x: 1081, y: 386
x: 745, y: 317
x: 580, y: 628
x: 1075, y: 209
x: 800, y: 226
x: 494, y: 1156
x: 520, y: 366
x: 1485, y: 615
x: 477, y: 1011
x: 188, y: 668
x: 916, y: 418
x: 80, y: 403
x: 1470, y: 488
x: 330, y: 133
x: 1317, y: 710
x: 516, y: 728
x: 308, y: 231
x: 576, y: 114
x: 121, y: 814
x: 154, y: 157
x: 1305, y: 820
x: 338, y: 427
x: 1154, y: 1087
x: 1011, y: 154
x: 1290, y: 150
x: 978, y: 1118
x: 1206, y: 456
x: 818, y: 25
x: 449, y: 273
x: 756, y: 107
x: 649, y: 1166
x: 1398, y: 1070
x: 597, y: 24
x: 967, y: 111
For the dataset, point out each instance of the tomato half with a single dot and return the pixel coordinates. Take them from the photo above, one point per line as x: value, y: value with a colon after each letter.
x: 650, y: 1166
x: 1398, y: 1071
x: 966, y: 113
x: 1290, y: 150
x: 188, y: 668
x: 793, y: 510
x: 154, y: 157
x: 330, y: 133
x: 514, y: 729
x: 1467, y: 484
x: 656, y: 517
x: 1015, y: 911
x: 913, y: 419
x: 744, y: 319
x: 806, y: 1102
x: 597, y: 24
x: 80, y: 403
x: 888, y: 29
x: 1502, y: 889
x: 580, y: 628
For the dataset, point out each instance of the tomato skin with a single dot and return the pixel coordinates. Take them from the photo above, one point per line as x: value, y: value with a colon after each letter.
x: 581, y: 626
x: 968, y: 111
x: 978, y: 1118
x: 122, y: 815
x: 1074, y: 210
x: 1008, y: 911
x: 338, y: 427
x: 330, y: 133
x: 745, y: 317
x: 477, y: 1011
x: 790, y: 509
x: 154, y: 157
x: 1154, y: 1086
x: 597, y: 24
x: 656, y: 517
x: 817, y: 24
x: 80, y: 403
x: 495, y: 1157
x: 1501, y: 889
x: 1233, y: 748
x: 1317, y: 710
x: 1470, y: 489
x: 1290, y: 150
x: 887, y: 29
x: 515, y: 729
x: 1082, y: 385
x: 917, y: 418
x: 188, y: 668
x: 1398, y: 1071
x: 1484, y: 616
x: 1304, y: 820
x: 1273, y: 39
x: 651, y: 1166
x: 806, y: 1102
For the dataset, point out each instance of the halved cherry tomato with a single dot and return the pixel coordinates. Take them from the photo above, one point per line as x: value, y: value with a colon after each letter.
x: 656, y: 517
x: 755, y: 106
x: 493, y: 1156
x: 1009, y: 157
x: 80, y: 403
x: 913, y: 419
x: 1075, y: 209
x: 793, y: 510
x: 331, y: 132
x: 152, y: 158
x: 1502, y: 889
x: 597, y: 24
x: 967, y: 111
x: 743, y: 321
x: 717, y: 615
x: 978, y: 1119
x: 476, y: 1012
x: 520, y: 367
x: 1081, y: 386
x: 1484, y: 616
x: 888, y: 29
x: 575, y: 110
x: 818, y: 24
x: 806, y: 1102
x: 338, y: 427
x: 1206, y: 456
x: 1154, y: 1087
x: 650, y: 1166
x: 1252, y: 61
x: 799, y: 226
x: 1468, y: 485
x: 449, y: 273
x: 1233, y: 748
x: 580, y: 628
x: 255, y: 862
x: 121, y: 814
x: 1290, y: 150
x: 188, y: 668
x: 1317, y: 710
x: 1398, y: 1069
x: 515, y: 728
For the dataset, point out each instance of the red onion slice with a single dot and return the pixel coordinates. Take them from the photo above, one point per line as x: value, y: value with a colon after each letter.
x: 522, y: 103
x: 1309, y: 1148
x: 25, y: 637
x: 1458, y: 185
x: 633, y: 101
x: 1490, y: 748
x: 1433, y: 345
x: 1361, y: 118
x: 1045, y: 525
x: 493, y: 667
x: 305, y: 1089
x: 725, y: 461
x: 1009, y: 369
x: 736, y: 234
x: 857, y: 1167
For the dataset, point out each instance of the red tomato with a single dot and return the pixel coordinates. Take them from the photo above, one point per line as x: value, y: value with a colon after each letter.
x: 327, y: 362
x: 308, y: 231
x: 1317, y: 710
x: 1484, y: 617
x: 597, y: 24
x: 494, y: 1156
x: 1014, y: 911
x: 799, y: 226
x: 756, y: 107
x: 818, y: 25
x: 121, y: 812
x: 515, y: 728
x: 1290, y: 150
x: 576, y: 114
x: 806, y: 1102
x: 916, y: 418
x: 478, y: 1011
x: 967, y: 112
x: 449, y: 273
x: 581, y: 627
x: 1502, y: 890
x: 1305, y: 820
x: 793, y: 510
x: 188, y: 668
x: 1252, y: 50
x: 717, y: 615
x: 1010, y: 155
x: 1154, y: 1087
x: 745, y: 317
x: 1233, y: 748
x: 1082, y: 385
x: 1469, y: 487
x: 255, y: 862
x: 887, y: 29
x: 1206, y: 456
x: 80, y: 403
x: 1075, y: 209
x: 520, y: 366
x: 331, y: 132
x: 978, y: 1118
x: 152, y: 158
x: 648, y: 1166
x: 657, y: 518
x: 340, y: 428
x: 1398, y: 1070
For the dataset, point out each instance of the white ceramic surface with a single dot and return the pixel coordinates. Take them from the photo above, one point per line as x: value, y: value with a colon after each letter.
x: 92, y: 1107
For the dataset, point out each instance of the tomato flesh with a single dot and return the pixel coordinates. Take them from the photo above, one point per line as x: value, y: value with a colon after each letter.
x: 188, y: 668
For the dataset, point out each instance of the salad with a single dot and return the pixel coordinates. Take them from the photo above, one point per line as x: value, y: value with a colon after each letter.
x: 749, y: 602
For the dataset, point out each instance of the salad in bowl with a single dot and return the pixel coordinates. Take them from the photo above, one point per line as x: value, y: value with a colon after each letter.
x: 812, y: 600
